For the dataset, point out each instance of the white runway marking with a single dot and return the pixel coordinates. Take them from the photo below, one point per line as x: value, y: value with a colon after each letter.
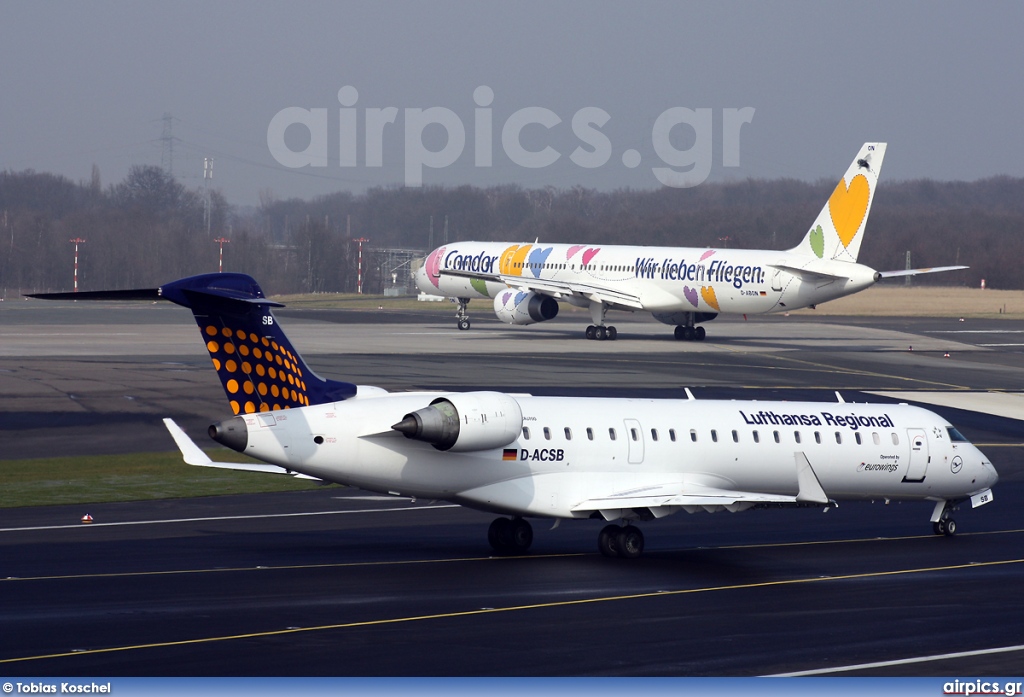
x: 223, y: 517
x: 899, y: 662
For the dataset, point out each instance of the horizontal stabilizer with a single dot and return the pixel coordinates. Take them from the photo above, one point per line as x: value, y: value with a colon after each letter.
x: 193, y: 455
x: 917, y: 272
x: 133, y: 294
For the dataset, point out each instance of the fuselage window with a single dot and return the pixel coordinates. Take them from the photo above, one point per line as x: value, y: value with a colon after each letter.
x: 672, y: 435
x: 568, y: 433
x: 590, y: 433
x: 856, y: 437
x: 633, y: 434
x: 735, y: 437
x: 611, y: 433
x: 839, y: 438
x: 526, y: 433
x: 547, y: 433
x: 693, y: 435
x: 875, y: 439
x: 796, y: 436
x: 756, y: 436
x: 817, y: 437
x: 776, y: 434
x: 654, y: 434
x: 895, y: 439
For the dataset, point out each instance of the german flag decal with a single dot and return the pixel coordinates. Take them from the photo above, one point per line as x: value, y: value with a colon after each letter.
x: 509, y: 454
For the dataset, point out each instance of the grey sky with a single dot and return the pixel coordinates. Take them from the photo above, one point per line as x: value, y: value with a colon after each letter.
x: 86, y: 83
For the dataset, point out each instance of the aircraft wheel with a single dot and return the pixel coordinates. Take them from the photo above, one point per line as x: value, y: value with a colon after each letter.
x: 680, y: 333
x: 630, y: 542
x: 499, y: 535
x: 699, y: 333
x: 607, y: 539
x: 950, y: 527
x: 463, y: 324
x: 520, y: 535
x: 612, y: 333
x: 590, y: 331
x: 600, y: 333
x: 939, y: 528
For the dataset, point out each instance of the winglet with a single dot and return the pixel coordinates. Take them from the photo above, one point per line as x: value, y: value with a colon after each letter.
x: 810, y: 490
x: 839, y: 398
x: 689, y: 395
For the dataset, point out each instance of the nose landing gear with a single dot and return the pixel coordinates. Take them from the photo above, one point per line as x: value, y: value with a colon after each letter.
x: 942, y: 518
x: 461, y: 316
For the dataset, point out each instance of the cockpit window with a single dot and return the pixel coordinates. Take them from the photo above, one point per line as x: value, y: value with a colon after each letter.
x: 956, y: 436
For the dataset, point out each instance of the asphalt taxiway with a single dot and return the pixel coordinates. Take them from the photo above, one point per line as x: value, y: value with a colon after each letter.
x: 341, y: 582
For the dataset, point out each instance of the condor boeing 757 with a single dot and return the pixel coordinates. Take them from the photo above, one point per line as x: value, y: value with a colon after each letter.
x: 615, y: 460
x: 677, y: 285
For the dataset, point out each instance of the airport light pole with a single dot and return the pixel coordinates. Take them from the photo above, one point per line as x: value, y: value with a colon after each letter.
x: 76, y: 241
x: 220, y: 263
x: 359, y: 265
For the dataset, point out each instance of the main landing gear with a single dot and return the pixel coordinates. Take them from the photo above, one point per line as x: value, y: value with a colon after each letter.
x: 626, y: 542
x: 598, y: 331
x: 461, y: 316
x: 690, y: 333
x: 601, y: 332
x: 942, y: 519
x: 510, y: 535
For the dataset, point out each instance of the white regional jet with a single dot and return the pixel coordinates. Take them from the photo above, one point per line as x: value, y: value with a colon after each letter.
x: 558, y: 457
x: 683, y: 286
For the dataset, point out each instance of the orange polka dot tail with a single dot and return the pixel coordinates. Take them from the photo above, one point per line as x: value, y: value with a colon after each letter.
x: 257, y: 364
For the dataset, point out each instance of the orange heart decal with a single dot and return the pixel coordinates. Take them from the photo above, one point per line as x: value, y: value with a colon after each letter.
x: 847, y: 206
x: 708, y: 293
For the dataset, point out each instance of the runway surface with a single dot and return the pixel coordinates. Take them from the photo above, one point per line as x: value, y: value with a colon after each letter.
x: 341, y: 582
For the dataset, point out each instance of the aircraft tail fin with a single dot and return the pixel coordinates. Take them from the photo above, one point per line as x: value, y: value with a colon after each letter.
x: 258, y: 367
x: 257, y: 364
x: 838, y: 230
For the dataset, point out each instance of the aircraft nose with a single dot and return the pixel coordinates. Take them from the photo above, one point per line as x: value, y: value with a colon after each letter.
x: 991, y: 476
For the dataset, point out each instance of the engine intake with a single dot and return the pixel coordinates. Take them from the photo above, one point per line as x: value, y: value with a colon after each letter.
x: 521, y: 307
x: 465, y: 422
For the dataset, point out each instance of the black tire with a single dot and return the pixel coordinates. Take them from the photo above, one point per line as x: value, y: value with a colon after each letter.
x: 630, y: 542
x: 606, y: 541
x: 590, y: 331
x: 499, y: 534
x: 950, y: 527
x: 939, y: 528
x: 699, y: 333
x: 520, y: 535
x: 612, y: 333
x: 463, y: 324
x: 600, y: 333
x: 680, y: 333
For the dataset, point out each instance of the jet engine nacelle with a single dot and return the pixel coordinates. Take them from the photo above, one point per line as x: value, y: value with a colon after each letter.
x: 465, y: 422
x: 520, y: 307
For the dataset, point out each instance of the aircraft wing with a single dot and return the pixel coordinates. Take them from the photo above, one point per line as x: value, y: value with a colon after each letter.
x: 661, y: 500
x: 915, y: 272
x: 807, y: 274
x: 557, y: 289
x: 194, y: 456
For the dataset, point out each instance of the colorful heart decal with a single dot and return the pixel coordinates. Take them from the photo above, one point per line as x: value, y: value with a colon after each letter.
x: 572, y: 251
x: 847, y: 206
x: 589, y: 254
x: 537, y: 259
x: 818, y: 242
x: 708, y: 293
x: 706, y: 254
x: 690, y: 294
x: 480, y: 286
x: 434, y: 266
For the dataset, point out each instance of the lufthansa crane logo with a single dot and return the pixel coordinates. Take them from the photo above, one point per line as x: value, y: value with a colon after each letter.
x: 957, y: 464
